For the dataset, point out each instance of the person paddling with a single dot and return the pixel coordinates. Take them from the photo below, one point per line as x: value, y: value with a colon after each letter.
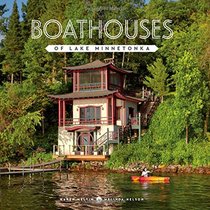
x: 145, y: 172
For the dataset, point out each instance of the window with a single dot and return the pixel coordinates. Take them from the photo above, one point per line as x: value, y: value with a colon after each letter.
x: 90, y: 115
x: 90, y: 80
x: 118, y: 113
x: 131, y: 111
x: 115, y: 78
x: 115, y: 81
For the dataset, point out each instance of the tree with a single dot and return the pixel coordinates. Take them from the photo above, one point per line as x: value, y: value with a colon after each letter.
x: 158, y: 79
x: 2, y: 20
x: 13, y: 46
x: 33, y: 10
x: 18, y: 117
x: 2, y: 32
x: 191, y: 94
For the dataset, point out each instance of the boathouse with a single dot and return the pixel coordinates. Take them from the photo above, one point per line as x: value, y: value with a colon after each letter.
x: 89, y: 118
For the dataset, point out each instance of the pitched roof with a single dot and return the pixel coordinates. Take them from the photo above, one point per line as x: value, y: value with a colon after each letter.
x: 95, y: 65
x: 96, y: 94
x: 88, y: 94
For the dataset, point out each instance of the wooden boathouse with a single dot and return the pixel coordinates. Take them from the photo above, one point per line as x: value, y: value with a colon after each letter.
x: 92, y: 118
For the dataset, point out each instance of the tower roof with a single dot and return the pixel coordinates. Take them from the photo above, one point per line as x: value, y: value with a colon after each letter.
x: 96, y: 65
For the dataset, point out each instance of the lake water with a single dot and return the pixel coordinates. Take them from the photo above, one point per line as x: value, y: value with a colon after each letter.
x: 102, y: 190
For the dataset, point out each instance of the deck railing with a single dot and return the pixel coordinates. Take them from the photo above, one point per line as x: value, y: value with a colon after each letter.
x: 108, y: 136
x: 90, y: 86
x: 63, y: 150
x: 101, y: 145
x: 85, y: 121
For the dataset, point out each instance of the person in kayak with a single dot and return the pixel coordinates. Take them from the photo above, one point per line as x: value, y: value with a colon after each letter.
x: 145, y: 172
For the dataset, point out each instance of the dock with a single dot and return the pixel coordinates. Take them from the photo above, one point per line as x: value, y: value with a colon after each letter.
x: 41, y: 168
x: 82, y: 158
x: 37, y: 168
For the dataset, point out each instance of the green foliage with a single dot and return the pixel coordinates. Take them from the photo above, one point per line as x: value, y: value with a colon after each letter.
x: 158, y: 78
x: 39, y: 157
x: 13, y: 45
x: 47, y: 140
x: 2, y: 20
x: 191, y: 92
x: 24, y: 105
x: 18, y: 119
x: 33, y: 10
x: 167, y: 124
x: 195, y: 154
x: 21, y: 130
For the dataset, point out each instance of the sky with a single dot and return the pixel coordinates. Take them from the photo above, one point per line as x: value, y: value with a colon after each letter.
x: 9, y: 4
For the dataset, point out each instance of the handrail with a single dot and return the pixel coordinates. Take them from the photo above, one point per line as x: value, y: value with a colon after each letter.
x: 97, y: 141
x: 100, y: 144
x: 83, y: 121
x: 88, y: 149
x: 102, y: 140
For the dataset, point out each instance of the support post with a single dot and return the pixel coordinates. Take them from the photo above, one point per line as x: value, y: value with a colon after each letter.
x: 59, y: 112
x: 9, y: 170
x: 95, y: 138
x: 139, y: 126
x: 64, y: 113
x: 118, y: 136
x: 106, y: 79
x: 108, y: 140
x: 113, y: 111
x: 102, y: 79
x: 78, y: 83
x: 60, y: 165
x: 23, y: 170
x: 74, y: 82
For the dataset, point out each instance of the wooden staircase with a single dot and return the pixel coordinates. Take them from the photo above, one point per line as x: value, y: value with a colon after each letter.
x: 148, y: 110
x: 110, y: 137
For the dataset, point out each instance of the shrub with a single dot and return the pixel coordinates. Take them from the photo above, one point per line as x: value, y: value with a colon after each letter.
x: 39, y: 157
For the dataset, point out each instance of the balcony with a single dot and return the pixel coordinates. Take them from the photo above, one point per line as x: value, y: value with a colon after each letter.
x: 90, y: 86
x: 82, y: 121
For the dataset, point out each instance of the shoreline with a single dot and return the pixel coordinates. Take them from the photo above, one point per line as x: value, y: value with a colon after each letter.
x: 131, y: 168
x: 136, y: 168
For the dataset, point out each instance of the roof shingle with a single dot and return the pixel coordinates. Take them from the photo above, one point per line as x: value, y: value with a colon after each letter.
x: 95, y: 65
x: 89, y: 94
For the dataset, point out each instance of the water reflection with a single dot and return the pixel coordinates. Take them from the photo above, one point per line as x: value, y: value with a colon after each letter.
x: 82, y: 191
x: 45, y: 191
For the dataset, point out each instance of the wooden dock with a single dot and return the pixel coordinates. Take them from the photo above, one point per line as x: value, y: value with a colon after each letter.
x: 37, y: 168
x: 80, y: 158
x: 86, y: 157
x: 22, y: 172
x: 40, y: 168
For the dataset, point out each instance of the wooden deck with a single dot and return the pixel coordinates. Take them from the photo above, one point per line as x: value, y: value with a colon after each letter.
x: 38, y: 168
x: 83, y: 157
x: 22, y: 172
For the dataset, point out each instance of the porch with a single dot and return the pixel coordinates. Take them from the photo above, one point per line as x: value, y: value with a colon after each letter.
x: 78, y: 158
x: 85, y: 142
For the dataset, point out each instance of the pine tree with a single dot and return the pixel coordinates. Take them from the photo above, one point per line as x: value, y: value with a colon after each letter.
x: 2, y: 20
x: 158, y: 78
x: 13, y: 46
x: 33, y: 10
x: 2, y: 32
